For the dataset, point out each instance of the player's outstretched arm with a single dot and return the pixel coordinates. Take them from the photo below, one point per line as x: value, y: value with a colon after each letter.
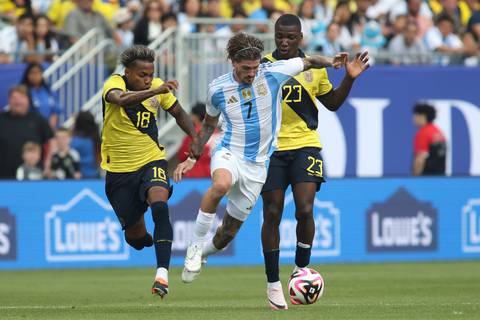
x: 335, y: 98
x: 183, y: 120
x: 319, y: 61
x: 131, y: 98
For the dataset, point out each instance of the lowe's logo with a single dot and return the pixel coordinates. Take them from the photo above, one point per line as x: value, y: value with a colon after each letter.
x: 327, y: 229
x: 8, y: 238
x: 402, y: 223
x: 84, y: 229
x: 471, y: 226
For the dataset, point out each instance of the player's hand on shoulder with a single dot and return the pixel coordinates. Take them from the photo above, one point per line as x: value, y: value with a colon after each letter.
x: 167, y: 86
x: 183, y: 168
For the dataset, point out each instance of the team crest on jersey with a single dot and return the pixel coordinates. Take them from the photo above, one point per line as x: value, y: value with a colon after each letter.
x: 308, y: 75
x: 247, y: 93
x: 261, y: 89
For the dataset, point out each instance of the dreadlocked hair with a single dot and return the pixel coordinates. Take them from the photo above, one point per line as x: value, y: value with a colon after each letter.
x: 243, y: 46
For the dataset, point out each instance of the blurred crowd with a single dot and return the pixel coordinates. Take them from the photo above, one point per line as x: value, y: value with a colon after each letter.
x: 410, y: 30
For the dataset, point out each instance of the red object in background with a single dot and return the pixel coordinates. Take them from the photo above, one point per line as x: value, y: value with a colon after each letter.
x: 426, y: 137
x: 202, y: 167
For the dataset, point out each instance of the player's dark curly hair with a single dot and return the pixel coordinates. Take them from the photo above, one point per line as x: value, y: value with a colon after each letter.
x: 243, y: 46
x: 425, y: 109
x: 137, y: 52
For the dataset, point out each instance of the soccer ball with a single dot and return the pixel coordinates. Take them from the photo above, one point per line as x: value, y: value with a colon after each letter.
x: 305, y: 286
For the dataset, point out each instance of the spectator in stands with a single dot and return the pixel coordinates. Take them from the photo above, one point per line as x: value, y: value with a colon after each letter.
x: 202, y: 166
x: 42, y: 99
x: 65, y: 160
x: 229, y: 7
x: 265, y: 11
x: 169, y: 20
x: 149, y: 27
x: 15, y: 8
x: 238, y: 27
x: 306, y: 13
x: 86, y: 141
x: 372, y: 39
x: 441, y: 39
x: 458, y: 10
x: 19, y: 125
x: 188, y: 9
x: 329, y: 45
x: 30, y: 168
x: 46, y: 46
x: 349, y: 39
x: 416, y: 11
x: 430, y: 146
x: 41, y: 6
x: 359, y: 18
x: 84, y: 18
x: 397, y: 27
x: 17, y: 42
x: 323, y: 11
x: 473, y: 26
x: 124, y: 23
x: 407, y: 48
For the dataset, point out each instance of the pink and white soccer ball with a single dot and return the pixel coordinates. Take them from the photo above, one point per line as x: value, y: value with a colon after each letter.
x: 305, y: 286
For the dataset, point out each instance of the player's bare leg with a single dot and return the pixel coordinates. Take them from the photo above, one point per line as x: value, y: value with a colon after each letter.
x: 304, y: 197
x: 163, y: 235
x: 221, y: 183
x: 273, y: 202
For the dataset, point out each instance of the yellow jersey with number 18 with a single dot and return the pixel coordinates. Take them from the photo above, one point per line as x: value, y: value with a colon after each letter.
x: 130, y: 134
x: 300, y: 107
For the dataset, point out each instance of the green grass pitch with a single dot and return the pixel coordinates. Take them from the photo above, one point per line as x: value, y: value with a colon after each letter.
x: 438, y: 290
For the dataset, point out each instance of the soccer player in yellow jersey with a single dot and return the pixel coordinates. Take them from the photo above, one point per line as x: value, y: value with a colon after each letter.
x: 297, y: 161
x: 134, y: 160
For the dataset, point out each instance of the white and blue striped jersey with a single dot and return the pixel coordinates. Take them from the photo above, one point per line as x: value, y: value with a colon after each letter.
x: 251, y: 112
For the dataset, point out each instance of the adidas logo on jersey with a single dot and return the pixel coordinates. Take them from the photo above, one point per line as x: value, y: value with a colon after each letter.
x: 232, y: 100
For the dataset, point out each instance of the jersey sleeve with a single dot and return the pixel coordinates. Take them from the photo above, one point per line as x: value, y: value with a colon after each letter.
x: 166, y: 100
x: 421, y: 144
x: 214, y: 100
x: 324, y: 84
x: 284, y: 69
x: 115, y: 82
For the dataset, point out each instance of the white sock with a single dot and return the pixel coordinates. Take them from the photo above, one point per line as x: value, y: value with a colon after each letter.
x: 162, y: 273
x: 274, y: 285
x: 209, y: 249
x: 202, y: 225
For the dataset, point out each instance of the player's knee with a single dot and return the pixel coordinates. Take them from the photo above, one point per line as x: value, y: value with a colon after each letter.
x: 304, y: 212
x: 160, y: 212
x: 137, y: 244
x: 220, y: 188
x: 272, y: 214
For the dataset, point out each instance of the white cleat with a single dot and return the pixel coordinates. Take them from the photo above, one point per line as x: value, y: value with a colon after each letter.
x: 276, y: 300
x: 193, y: 263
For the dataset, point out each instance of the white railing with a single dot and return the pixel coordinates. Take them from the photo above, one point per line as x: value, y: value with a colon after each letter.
x: 194, y: 59
x: 79, y: 73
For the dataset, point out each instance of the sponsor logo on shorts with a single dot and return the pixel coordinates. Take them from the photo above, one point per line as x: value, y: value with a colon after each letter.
x: 402, y: 223
x: 85, y: 228
x: 184, y: 214
x: 327, y: 229
x: 471, y: 226
x: 8, y: 239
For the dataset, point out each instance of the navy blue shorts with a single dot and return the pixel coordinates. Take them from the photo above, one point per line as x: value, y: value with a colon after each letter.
x: 127, y: 191
x: 293, y: 166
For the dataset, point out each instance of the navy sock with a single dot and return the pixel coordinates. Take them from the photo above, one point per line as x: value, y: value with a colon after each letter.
x: 271, y: 265
x: 302, y: 256
x: 163, y: 234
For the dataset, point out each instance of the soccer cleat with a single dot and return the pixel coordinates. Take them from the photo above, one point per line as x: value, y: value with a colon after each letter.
x: 160, y: 287
x: 193, y: 263
x: 276, y: 300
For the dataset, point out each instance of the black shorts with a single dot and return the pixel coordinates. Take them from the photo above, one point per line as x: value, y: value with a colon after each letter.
x: 293, y: 166
x: 127, y: 191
